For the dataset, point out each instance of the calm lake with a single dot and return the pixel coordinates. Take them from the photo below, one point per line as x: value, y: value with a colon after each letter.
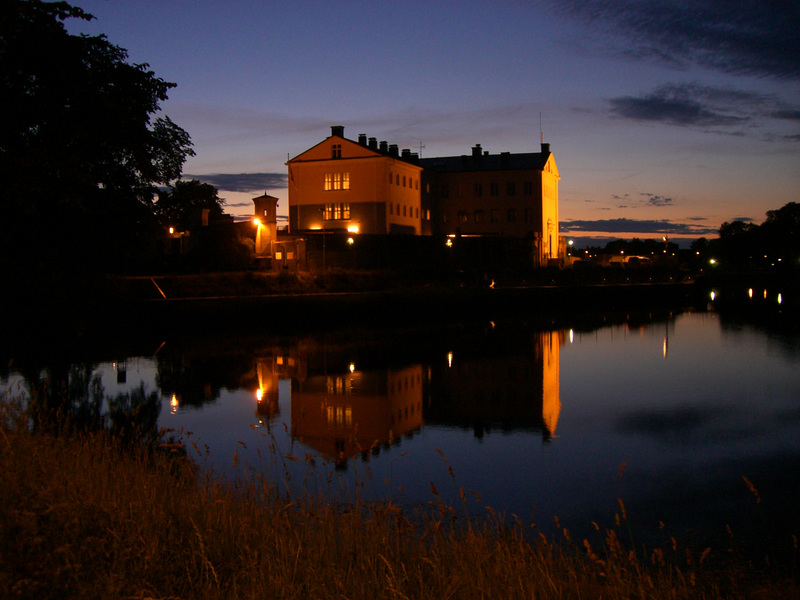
x: 672, y: 414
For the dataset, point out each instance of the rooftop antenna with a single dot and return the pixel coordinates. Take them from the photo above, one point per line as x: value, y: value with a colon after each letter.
x: 541, y: 132
x: 420, y: 146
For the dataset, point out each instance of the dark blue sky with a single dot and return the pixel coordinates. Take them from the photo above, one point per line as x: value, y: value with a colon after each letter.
x: 664, y: 116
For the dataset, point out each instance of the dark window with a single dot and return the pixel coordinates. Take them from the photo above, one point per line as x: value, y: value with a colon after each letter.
x: 528, y: 188
x: 336, y: 151
x: 511, y: 188
x: 495, y: 215
x: 445, y: 190
x: 479, y: 189
x: 494, y: 189
x: 462, y: 216
x: 512, y: 215
x: 479, y: 216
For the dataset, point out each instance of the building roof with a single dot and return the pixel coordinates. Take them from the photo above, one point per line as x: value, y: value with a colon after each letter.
x: 483, y: 161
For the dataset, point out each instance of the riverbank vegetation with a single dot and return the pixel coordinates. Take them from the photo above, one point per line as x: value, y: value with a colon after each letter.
x: 85, y: 516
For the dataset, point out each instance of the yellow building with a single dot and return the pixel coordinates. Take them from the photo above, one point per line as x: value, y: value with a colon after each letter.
x: 370, y: 187
x: 362, y: 187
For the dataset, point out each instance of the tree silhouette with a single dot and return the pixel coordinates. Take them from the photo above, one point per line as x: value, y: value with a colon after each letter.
x: 81, y: 151
x: 181, y: 205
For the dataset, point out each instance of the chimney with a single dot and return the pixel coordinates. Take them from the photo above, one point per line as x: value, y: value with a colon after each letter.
x: 373, y: 144
x: 362, y: 139
x: 337, y: 130
x: 384, y: 146
x: 545, y: 148
x: 405, y: 154
x: 476, y: 151
x: 393, y: 150
x: 505, y: 158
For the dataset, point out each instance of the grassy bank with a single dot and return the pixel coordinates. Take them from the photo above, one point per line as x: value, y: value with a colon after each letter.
x: 81, y: 517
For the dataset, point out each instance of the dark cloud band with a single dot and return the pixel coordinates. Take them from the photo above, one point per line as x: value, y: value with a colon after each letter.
x: 649, y: 227
x: 745, y: 37
x: 243, y: 182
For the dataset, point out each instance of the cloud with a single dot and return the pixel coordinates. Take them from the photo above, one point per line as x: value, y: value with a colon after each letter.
x: 637, y: 226
x: 656, y: 200
x: 242, y: 182
x: 744, y: 37
x: 689, y: 104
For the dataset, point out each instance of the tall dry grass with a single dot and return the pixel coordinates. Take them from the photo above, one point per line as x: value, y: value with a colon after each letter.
x: 84, y: 517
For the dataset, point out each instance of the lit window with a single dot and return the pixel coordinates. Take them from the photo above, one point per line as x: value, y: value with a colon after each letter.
x: 337, y: 211
x: 462, y: 216
x: 278, y: 255
x: 328, y: 179
x: 345, y: 181
x: 337, y: 181
x: 289, y: 255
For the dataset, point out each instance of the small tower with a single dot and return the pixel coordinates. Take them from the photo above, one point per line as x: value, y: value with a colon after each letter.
x: 266, y: 217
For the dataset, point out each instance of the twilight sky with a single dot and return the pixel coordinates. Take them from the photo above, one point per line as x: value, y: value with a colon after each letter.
x: 664, y: 117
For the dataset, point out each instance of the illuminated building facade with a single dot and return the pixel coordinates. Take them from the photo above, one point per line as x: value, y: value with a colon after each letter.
x: 361, y: 187
x: 370, y: 187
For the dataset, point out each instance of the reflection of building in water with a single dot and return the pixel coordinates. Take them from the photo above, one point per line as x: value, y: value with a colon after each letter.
x: 270, y: 368
x: 481, y: 389
x: 341, y: 414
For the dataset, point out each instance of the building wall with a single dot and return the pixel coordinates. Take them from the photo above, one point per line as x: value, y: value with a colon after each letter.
x: 508, y: 203
x: 359, y: 186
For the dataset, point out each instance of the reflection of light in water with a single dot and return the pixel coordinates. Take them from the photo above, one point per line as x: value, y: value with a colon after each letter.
x: 571, y: 336
x: 449, y: 359
x: 173, y: 403
x: 713, y: 295
x: 765, y: 294
x: 352, y: 367
x: 750, y: 292
x: 259, y: 393
x: 780, y: 299
x: 664, y: 349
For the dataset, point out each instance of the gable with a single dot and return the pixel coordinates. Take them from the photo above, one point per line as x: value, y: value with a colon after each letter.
x: 324, y: 150
x: 550, y: 167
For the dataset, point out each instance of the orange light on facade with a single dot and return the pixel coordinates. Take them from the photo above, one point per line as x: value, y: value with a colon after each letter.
x: 350, y: 241
x: 352, y: 228
x: 750, y: 292
x: 259, y: 394
x: 171, y: 230
x: 256, y: 221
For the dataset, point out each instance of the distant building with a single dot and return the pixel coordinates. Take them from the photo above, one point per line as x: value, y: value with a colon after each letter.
x: 370, y: 187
